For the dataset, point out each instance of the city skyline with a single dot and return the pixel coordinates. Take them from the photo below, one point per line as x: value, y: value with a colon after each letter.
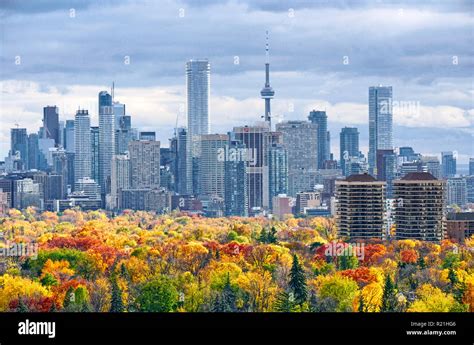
x: 440, y: 95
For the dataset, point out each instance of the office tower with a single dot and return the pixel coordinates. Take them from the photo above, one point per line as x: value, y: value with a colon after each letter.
x: 70, y: 156
x: 106, y: 139
x: 300, y: 139
x: 4, y: 206
x: 34, y: 152
x: 211, y: 166
x: 278, y: 171
x: 120, y: 178
x: 348, y: 146
x: 236, y: 195
x: 267, y: 92
x: 51, y: 124
x: 409, y: 167
x: 419, y: 207
x: 448, y: 164
x: 457, y: 191
x: 19, y: 147
x: 6, y: 185
x: 150, y: 136
x: 119, y: 112
x: 256, y: 140
x: 321, y: 120
x: 157, y: 200
x: 470, y: 188
x: 69, y: 136
x: 198, y: 92
x: 61, y: 133
x: 46, y: 147
x: 408, y: 154
x: 360, y: 207
x: 386, y: 168
x: 87, y: 187
x: 432, y: 165
x: 124, y: 134
x: 82, y: 145
x: 144, y: 164
x: 380, y: 123
x: 471, y: 166
x: 53, y: 189
x: 27, y: 193
x: 60, y: 167
x: 95, y: 143
x: 184, y: 164
x: 307, y: 200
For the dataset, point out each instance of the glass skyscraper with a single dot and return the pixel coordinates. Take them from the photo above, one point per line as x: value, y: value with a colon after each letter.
x: 348, y: 146
x: 82, y: 145
x: 106, y: 138
x: 19, y: 146
x: 448, y: 163
x: 198, y: 91
x: 51, y: 124
x: 380, y: 123
x: 320, y: 118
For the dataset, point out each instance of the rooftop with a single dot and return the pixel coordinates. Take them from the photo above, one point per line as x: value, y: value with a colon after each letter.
x: 361, y: 178
x: 419, y: 176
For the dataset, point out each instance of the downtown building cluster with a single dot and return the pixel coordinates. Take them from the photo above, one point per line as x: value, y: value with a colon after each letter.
x: 259, y: 169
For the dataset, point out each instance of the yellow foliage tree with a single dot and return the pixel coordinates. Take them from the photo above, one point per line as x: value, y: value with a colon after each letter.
x: 12, y: 288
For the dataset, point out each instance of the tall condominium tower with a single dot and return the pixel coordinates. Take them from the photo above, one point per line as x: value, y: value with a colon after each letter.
x: 82, y: 145
x: 106, y: 139
x: 360, y: 207
x: 348, y: 146
x: 300, y: 139
x: 235, y: 180
x: 69, y: 136
x: 380, y: 123
x: 198, y: 87
x: 320, y: 118
x: 256, y: 140
x: 144, y: 164
x: 277, y: 170
x: 419, y: 207
x: 19, y: 147
x: 184, y: 177
x: 267, y: 92
x: 448, y: 164
x: 120, y: 178
x: 211, y: 167
x: 95, y: 153
x: 51, y: 123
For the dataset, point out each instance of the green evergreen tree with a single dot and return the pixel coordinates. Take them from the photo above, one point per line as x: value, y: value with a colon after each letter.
x: 297, y: 282
x: 421, y: 262
x: 453, y: 278
x: 22, y: 307
x: 69, y: 299
x: 361, y: 305
x: 389, y: 300
x: 346, y: 261
x: 116, y: 305
x: 285, y: 303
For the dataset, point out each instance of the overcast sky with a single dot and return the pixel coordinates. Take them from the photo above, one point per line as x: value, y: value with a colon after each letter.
x: 324, y: 55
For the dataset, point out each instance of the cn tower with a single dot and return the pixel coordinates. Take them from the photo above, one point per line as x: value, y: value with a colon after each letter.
x: 267, y: 92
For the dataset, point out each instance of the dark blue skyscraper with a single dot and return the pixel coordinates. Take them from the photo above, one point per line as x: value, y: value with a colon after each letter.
x: 321, y: 119
x: 448, y: 163
x: 348, y: 146
x: 51, y: 123
x: 19, y: 146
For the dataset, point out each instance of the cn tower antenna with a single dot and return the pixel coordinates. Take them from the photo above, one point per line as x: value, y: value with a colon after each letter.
x: 267, y: 92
